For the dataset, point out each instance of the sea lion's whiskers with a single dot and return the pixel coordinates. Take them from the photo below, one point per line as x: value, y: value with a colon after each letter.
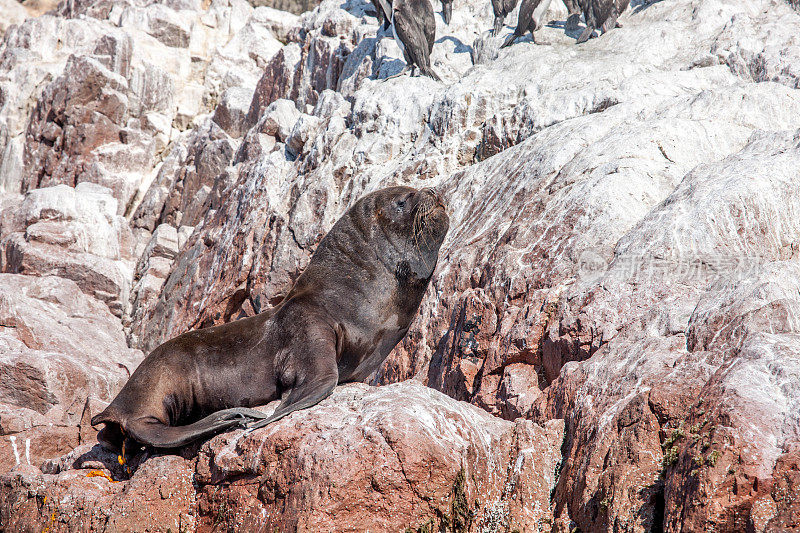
x: 415, y: 228
x: 428, y: 209
x: 420, y: 225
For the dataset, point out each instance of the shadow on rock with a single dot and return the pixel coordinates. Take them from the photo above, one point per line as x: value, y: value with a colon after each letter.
x: 460, y: 48
x: 640, y: 5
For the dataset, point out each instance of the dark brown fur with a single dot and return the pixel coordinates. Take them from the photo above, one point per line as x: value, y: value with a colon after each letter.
x: 344, y: 314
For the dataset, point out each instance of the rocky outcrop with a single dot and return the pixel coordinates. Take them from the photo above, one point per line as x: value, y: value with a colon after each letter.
x: 62, y: 356
x: 13, y: 13
x: 698, y: 375
x: 100, y: 99
x: 378, y: 459
x: 73, y: 233
x: 621, y: 259
x: 160, y: 497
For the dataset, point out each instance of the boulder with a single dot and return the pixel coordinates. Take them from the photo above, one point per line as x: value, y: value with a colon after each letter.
x: 231, y: 113
x: 386, y: 458
x: 63, y: 357
x: 302, y: 136
x: 279, y: 119
x: 73, y: 233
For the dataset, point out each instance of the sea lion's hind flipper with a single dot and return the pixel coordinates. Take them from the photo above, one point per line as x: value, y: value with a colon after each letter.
x: 311, y: 371
x: 152, y: 432
x: 111, y: 436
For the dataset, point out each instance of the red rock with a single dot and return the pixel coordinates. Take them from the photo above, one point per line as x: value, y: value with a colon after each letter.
x: 159, y: 497
x: 59, y: 349
x: 367, y: 458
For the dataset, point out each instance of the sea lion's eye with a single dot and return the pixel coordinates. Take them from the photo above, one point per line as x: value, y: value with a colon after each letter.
x: 401, y: 204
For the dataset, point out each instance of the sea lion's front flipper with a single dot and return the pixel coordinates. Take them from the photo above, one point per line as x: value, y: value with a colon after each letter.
x: 311, y: 373
x: 152, y: 432
x: 302, y: 397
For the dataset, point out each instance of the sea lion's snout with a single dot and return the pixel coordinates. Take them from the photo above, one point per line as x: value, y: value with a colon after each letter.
x: 432, y: 214
x: 434, y: 195
x: 433, y: 207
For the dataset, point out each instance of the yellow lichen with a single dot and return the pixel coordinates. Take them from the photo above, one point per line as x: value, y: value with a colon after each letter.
x: 100, y: 473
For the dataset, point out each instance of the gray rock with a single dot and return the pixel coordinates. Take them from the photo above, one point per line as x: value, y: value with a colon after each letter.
x: 231, y: 113
x: 279, y: 119
x: 303, y: 133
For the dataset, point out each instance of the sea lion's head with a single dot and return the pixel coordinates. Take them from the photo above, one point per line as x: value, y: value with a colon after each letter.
x: 399, y: 227
x: 394, y: 232
x: 405, y: 226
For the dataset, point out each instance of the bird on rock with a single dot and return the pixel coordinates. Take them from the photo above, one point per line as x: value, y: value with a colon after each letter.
x: 414, y: 29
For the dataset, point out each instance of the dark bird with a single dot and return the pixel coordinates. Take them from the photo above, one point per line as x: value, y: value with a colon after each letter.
x: 384, y: 12
x: 414, y: 29
x: 501, y: 10
x: 531, y: 14
x: 601, y: 14
x: 447, y: 10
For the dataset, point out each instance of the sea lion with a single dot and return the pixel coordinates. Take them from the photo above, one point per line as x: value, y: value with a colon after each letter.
x: 531, y: 15
x: 601, y: 14
x: 414, y: 29
x: 347, y: 310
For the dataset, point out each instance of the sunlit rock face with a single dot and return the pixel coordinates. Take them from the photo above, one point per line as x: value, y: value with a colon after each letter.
x: 367, y: 459
x: 621, y: 258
